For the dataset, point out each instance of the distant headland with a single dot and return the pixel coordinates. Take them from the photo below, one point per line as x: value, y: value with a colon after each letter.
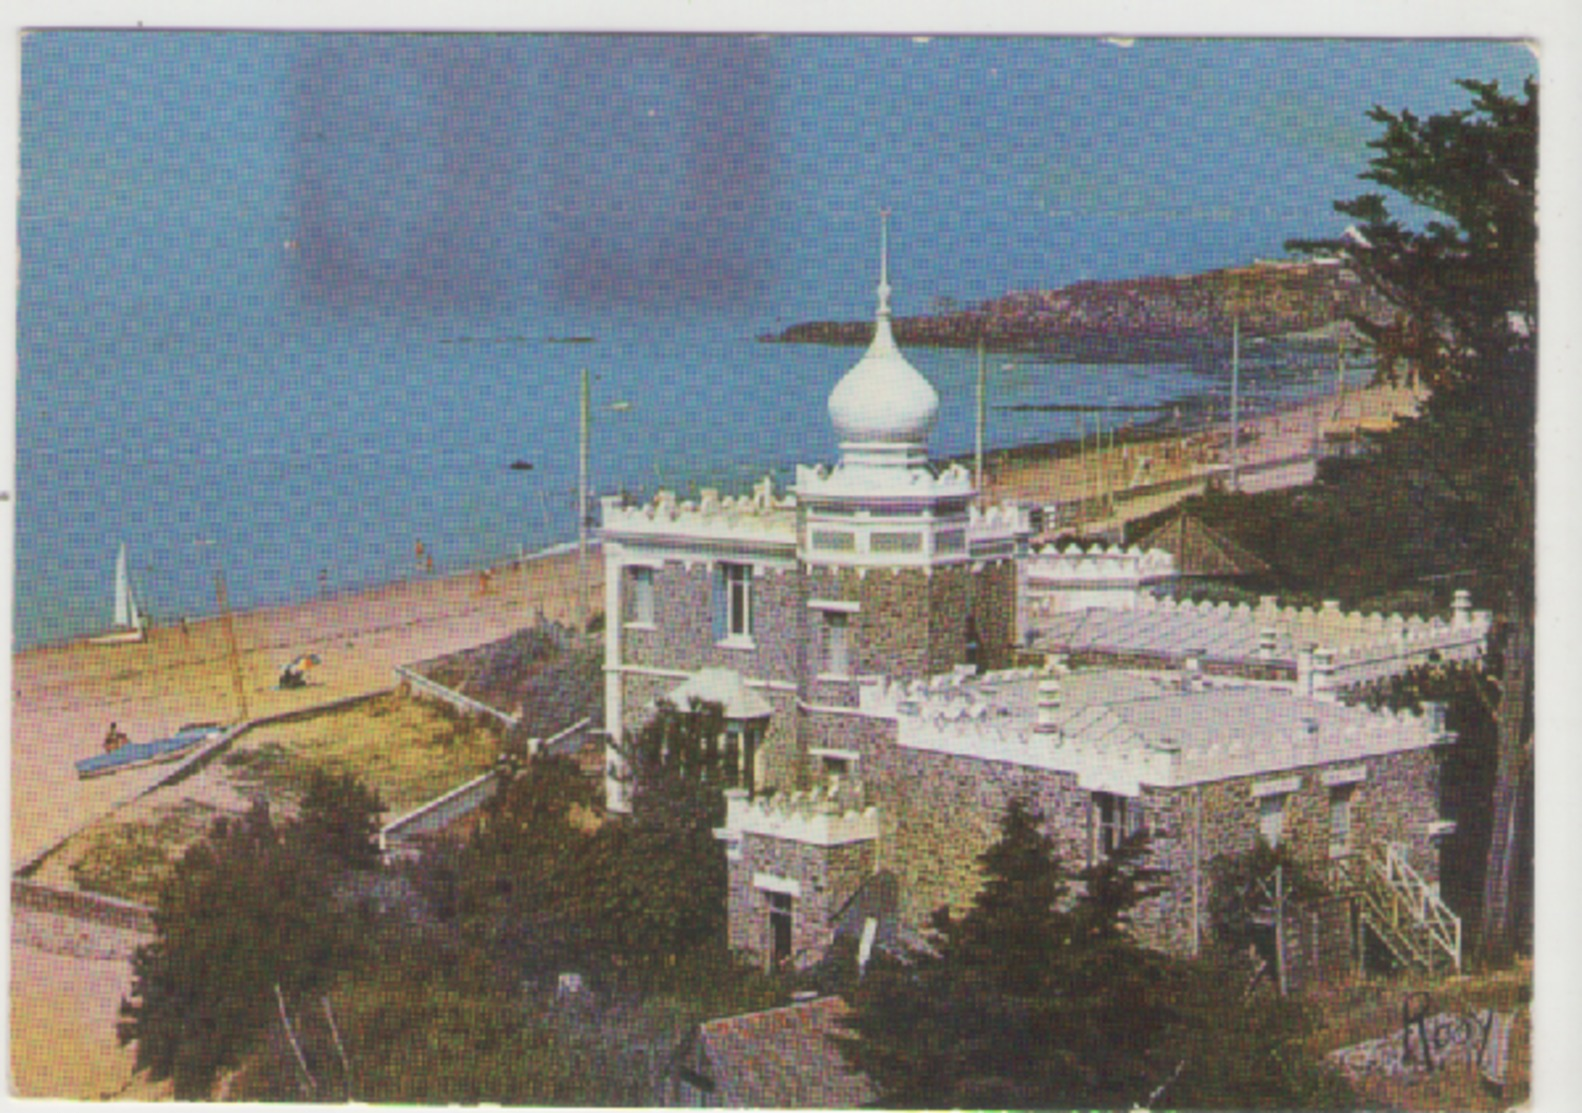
x: 1141, y: 320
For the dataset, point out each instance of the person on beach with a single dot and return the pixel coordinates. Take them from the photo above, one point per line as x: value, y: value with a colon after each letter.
x: 114, y: 738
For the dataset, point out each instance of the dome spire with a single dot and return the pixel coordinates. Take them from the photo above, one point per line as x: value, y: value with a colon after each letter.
x: 883, y: 409
x: 884, y: 265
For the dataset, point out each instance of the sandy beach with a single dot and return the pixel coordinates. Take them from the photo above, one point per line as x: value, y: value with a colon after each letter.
x: 1132, y: 480
x: 67, y: 977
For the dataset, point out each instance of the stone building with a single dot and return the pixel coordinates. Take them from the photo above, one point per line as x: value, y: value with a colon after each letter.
x: 869, y: 633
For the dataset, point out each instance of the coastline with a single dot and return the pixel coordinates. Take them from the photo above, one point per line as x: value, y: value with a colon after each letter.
x: 64, y: 696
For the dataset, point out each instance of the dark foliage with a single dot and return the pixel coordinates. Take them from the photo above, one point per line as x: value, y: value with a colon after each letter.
x: 338, y: 818
x: 1029, y: 999
x: 1238, y: 1045
x: 554, y: 677
x: 545, y: 888
x: 247, y: 910
x: 1466, y: 291
x: 1240, y: 902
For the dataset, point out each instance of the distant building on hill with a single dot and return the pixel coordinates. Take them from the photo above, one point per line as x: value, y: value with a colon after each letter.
x: 896, y: 667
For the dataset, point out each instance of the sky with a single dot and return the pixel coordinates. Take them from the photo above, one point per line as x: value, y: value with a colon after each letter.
x: 237, y: 177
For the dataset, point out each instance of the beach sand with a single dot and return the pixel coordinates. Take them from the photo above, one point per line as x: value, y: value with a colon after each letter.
x: 65, y: 697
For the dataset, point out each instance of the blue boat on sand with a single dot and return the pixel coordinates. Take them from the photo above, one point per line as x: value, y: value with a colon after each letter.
x: 135, y: 755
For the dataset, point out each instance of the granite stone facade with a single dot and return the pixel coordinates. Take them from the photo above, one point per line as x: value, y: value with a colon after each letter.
x: 938, y: 812
x: 825, y: 878
x: 877, y: 586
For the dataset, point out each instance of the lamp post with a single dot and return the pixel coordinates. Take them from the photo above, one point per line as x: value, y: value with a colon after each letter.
x: 582, y: 511
x: 585, y: 422
x: 983, y: 389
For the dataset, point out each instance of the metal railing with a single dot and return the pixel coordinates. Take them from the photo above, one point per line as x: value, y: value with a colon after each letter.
x: 1405, y: 911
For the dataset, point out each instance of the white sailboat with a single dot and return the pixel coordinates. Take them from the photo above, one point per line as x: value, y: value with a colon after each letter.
x: 128, y: 619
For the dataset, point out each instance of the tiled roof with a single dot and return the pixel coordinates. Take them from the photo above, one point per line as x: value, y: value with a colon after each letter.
x: 1201, y: 551
x: 784, y: 1059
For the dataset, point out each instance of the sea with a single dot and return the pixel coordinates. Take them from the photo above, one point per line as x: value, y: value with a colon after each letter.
x: 315, y: 459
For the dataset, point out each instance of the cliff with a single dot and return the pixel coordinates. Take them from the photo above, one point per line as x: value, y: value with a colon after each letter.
x: 1145, y: 319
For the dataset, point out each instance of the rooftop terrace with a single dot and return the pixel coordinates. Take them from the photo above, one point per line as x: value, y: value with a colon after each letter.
x: 1118, y: 729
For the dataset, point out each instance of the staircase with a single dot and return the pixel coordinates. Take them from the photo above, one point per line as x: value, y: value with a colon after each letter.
x: 1404, y: 911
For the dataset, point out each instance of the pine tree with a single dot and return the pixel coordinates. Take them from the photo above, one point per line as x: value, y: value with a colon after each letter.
x: 1028, y: 998
x: 1466, y: 294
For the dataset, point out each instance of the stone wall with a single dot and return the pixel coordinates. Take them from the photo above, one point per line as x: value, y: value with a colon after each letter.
x: 949, y: 601
x: 994, y: 613
x: 682, y: 636
x: 828, y: 878
x: 938, y: 812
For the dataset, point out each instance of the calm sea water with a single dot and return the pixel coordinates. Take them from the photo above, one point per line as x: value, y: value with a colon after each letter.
x: 316, y: 459
x: 211, y: 224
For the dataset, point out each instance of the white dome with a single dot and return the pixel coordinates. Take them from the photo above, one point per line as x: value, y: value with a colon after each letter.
x: 883, y: 399
x: 883, y: 408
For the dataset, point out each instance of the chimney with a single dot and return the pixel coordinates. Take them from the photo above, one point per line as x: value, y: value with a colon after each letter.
x: 1267, y: 637
x: 1049, y: 700
x: 1461, y: 609
x: 1304, y: 671
x: 1323, y: 671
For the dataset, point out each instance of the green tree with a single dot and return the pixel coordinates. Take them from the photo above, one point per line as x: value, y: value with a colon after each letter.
x: 244, y: 915
x: 1027, y: 999
x: 1466, y: 293
x: 546, y: 890
x: 338, y: 818
x: 1239, y: 1045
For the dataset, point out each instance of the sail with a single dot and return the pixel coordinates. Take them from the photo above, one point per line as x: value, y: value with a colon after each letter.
x: 126, y: 613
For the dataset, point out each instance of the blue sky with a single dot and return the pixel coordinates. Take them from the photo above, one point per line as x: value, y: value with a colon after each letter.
x: 241, y: 177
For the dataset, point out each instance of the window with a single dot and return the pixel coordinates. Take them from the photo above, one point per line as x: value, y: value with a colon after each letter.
x: 1271, y: 818
x: 741, y: 751
x: 974, y: 650
x: 733, y: 601
x: 835, y: 540
x: 1340, y: 820
x: 640, y: 607
x: 1118, y: 817
x: 895, y: 543
x: 779, y: 929
x: 835, y: 767
x: 837, y: 643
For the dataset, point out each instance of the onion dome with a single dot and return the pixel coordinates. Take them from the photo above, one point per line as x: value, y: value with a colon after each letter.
x: 883, y: 408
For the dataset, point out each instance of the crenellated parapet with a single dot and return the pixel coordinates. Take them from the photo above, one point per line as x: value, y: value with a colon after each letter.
x: 847, y: 482
x: 1076, y: 566
x: 1116, y: 732
x: 759, y: 518
x: 820, y: 817
x: 998, y: 530
x: 1336, y: 648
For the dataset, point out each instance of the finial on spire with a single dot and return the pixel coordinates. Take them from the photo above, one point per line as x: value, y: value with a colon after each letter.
x: 884, y: 262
